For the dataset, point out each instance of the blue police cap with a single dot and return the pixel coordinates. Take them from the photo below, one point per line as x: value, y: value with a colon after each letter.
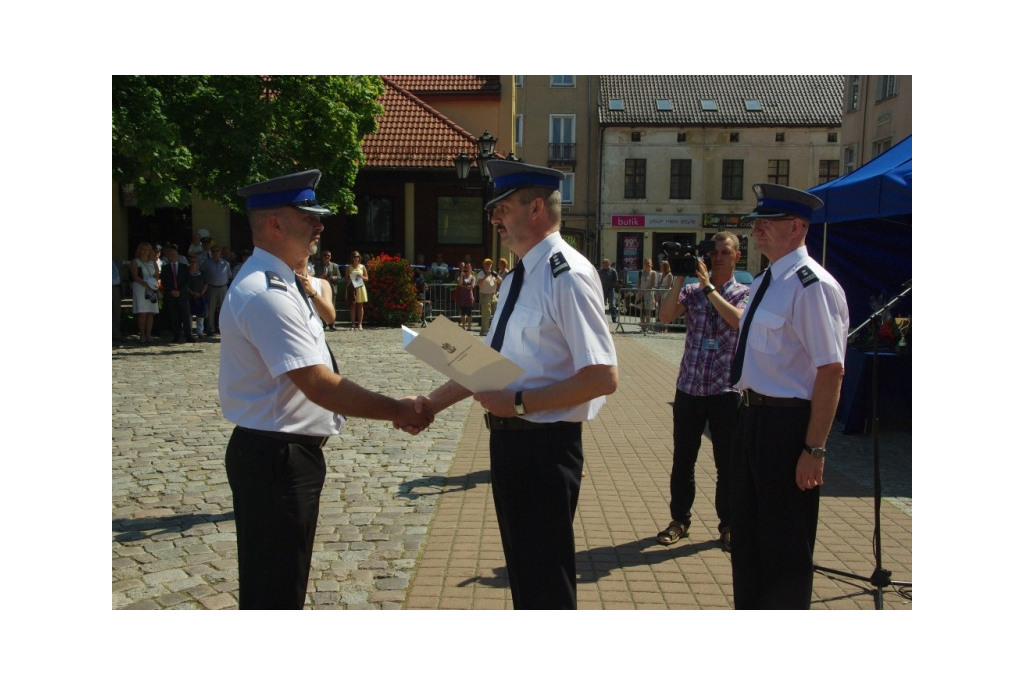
x: 775, y: 201
x: 293, y: 190
x: 512, y: 176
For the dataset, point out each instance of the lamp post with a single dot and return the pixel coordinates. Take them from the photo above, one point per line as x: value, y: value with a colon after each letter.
x: 485, y: 152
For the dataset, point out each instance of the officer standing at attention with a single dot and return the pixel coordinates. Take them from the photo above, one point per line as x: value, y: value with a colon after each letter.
x: 280, y: 386
x: 789, y: 369
x: 550, y: 321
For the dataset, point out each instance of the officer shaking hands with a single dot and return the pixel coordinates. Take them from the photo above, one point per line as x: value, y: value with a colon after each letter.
x: 280, y: 386
x: 550, y: 321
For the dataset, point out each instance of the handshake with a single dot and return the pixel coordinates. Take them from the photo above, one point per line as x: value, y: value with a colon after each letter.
x: 415, y: 414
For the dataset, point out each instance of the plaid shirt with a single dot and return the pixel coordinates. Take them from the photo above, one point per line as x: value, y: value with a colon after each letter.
x: 704, y: 372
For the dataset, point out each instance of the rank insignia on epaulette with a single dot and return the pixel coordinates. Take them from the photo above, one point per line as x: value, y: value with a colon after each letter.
x: 559, y: 265
x: 806, y: 275
x: 275, y: 281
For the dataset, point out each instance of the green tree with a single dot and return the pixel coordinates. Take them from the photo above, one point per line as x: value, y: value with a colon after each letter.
x: 219, y: 133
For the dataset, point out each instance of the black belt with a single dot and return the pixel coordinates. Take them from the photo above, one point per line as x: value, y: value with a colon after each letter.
x: 514, y: 423
x: 756, y: 399
x: 307, y: 440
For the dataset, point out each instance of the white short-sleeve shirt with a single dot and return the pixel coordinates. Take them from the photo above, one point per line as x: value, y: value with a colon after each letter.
x: 267, y: 329
x: 557, y: 326
x: 800, y: 324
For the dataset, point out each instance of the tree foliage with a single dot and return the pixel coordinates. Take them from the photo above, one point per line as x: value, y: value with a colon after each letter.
x: 219, y: 133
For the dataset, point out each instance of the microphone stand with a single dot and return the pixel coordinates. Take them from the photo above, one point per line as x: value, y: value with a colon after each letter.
x: 881, y: 578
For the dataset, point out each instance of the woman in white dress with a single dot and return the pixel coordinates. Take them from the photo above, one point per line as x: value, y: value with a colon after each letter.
x: 144, y: 282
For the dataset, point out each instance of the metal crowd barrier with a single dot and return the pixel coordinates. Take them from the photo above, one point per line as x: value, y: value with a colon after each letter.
x: 630, y: 313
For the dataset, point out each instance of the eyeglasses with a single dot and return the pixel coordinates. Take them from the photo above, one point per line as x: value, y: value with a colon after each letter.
x: 355, y: 256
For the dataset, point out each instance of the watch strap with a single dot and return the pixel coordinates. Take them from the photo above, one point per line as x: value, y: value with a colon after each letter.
x: 520, y: 409
x: 708, y: 289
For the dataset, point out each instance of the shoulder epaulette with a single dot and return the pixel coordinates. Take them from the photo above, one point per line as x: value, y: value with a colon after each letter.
x: 806, y: 275
x: 275, y: 281
x: 559, y: 265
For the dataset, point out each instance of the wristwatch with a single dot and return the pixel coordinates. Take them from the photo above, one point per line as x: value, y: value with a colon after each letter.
x: 816, y: 452
x: 520, y: 409
x: 708, y: 289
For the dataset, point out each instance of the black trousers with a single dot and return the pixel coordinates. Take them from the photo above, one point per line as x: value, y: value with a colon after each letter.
x: 774, y: 523
x: 689, y: 415
x: 276, y: 489
x: 179, y: 316
x: 535, y: 481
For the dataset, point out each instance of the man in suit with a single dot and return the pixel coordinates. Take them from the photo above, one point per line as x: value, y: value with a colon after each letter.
x: 330, y: 272
x: 174, y: 277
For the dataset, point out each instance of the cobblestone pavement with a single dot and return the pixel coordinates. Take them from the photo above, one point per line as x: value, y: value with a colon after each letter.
x: 173, y: 525
x: 384, y: 543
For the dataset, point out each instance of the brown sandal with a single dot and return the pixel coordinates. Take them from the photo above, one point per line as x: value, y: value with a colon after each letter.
x: 674, y: 533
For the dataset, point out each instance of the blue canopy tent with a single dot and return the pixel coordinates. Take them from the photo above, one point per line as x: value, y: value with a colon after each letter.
x: 862, y: 234
x: 863, y: 237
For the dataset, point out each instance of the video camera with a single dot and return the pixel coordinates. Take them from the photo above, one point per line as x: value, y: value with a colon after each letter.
x: 682, y: 257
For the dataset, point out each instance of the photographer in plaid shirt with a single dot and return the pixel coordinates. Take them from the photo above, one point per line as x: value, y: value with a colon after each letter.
x: 713, y: 307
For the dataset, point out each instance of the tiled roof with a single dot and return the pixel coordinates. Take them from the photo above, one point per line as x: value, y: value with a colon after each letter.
x: 447, y: 84
x: 785, y: 100
x: 414, y: 135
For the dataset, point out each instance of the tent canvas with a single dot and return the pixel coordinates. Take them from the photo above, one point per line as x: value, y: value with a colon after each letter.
x: 863, y: 233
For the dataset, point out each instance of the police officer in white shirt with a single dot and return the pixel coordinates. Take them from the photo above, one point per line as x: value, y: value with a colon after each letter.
x: 789, y: 369
x: 550, y: 321
x: 280, y: 386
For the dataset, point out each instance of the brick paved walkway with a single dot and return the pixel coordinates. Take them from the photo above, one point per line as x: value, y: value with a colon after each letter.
x: 407, y: 522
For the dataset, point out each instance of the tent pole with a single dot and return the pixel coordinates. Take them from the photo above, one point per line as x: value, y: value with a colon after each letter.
x: 824, y: 243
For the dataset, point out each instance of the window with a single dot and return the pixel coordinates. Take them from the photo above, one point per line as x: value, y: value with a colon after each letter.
x: 778, y: 171
x: 732, y: 179
x: 373, y: 220
x: 519, y: 130
x: 663, y: 105
x: 519, y: 81
x: 734, y: 137
x: 753, y: 105
x: 562, y: 139
x: 634, y: 137
x: 568, y: 188
x: 828, y: 169
x: 886, y: 87
x: 852, y: 93
x: 680, y: 137
x: 833, y: 137
x: 680, y: 179
x: 616, y: 105
x: 460, y: 220
x: 563, y: 81
x: 880, y: 147
x: 780, y: 137
x: 849, y: 158
x: 636, y: 178
x: 709, y: 105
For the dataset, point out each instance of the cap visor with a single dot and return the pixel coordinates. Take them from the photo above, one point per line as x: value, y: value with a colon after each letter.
x: 498, y: 198
x: 315, y: 209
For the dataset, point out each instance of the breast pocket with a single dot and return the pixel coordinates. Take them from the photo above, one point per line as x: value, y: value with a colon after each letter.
x: 766, y: 332
x: 523, y: 333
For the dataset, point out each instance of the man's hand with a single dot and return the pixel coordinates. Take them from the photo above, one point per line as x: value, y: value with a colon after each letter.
x: 810, y: 472
x: 702, y: 273
x: 498, y: 402
x: 416, y: 415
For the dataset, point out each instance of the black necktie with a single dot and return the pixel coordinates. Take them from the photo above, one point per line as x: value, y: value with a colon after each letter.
x: 174, y: 270
x: 519, y: 274
x: 741, y: 347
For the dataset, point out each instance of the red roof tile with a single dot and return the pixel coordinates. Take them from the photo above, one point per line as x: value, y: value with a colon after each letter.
x: 447, y: 84
x: 414, y: 135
